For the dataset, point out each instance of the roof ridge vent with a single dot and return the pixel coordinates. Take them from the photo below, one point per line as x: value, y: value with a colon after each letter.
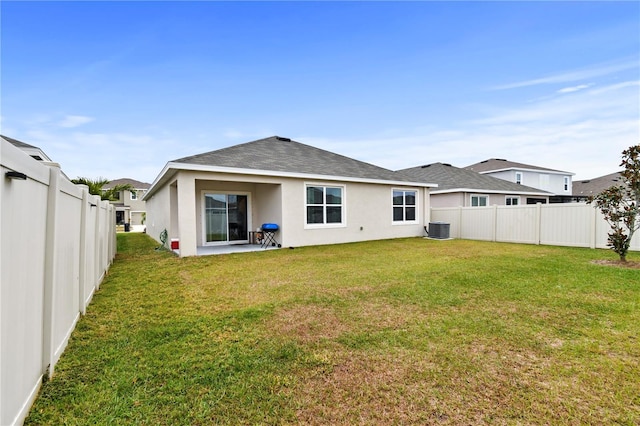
x: 280, y: 138
x: 446, y: 164
x: 425, y: 166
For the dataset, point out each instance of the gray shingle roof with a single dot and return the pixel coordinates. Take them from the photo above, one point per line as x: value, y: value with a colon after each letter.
x: 284, y: 155
x: 585, y: 188
x: 500, y: 164
x: 123, y: 181
x: 449, y: 177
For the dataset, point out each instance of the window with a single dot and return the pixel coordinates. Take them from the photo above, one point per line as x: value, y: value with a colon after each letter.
x: 479, y: 200
x: 566, y: 183
x: 519, y: 178
x: 134, y: 195
x: 404, y: 206
x: 512, y: 201
x: 324, y: 205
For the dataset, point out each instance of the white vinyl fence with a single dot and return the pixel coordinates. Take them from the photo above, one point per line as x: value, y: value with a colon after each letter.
x: 58, y: 241
x: 571, y: 224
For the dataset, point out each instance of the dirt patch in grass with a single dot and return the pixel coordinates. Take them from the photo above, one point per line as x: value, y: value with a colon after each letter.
x: 629, y: 264
x: 490, y: 384
x: 307, y: 323
x: 366, y: 389
x: 415, y: 387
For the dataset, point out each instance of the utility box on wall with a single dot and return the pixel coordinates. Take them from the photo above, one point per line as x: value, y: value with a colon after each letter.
x: 439, y: 230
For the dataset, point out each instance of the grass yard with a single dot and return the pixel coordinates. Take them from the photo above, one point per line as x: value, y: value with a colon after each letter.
x: 408, y: 331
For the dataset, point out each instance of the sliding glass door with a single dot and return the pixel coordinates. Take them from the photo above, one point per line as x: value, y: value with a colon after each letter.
x: 225, y: 218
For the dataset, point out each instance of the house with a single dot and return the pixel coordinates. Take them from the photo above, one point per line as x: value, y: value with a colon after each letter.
x: 35, y: 152
x: 584, y: 189
x: 557, y: 182
x: 313, y: 196
x: 463, y: 188
x: 130, y: 208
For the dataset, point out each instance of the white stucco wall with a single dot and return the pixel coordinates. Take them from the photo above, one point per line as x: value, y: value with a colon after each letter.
x: 178, y: 207
x: 158, y: 213
x: 368, y: 213
x: 454, y: 199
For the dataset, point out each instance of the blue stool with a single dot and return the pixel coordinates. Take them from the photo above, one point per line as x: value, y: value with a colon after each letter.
x: 269, y: 235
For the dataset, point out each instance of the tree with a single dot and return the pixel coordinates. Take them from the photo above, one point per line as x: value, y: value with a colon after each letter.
x: 620, y: 204
x: 96, y: 185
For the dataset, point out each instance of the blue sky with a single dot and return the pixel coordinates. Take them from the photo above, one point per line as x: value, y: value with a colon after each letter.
x: 117, y: 89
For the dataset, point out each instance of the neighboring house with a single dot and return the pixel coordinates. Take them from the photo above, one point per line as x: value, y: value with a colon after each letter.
x: 463, y: 188
x: 314, y: 196
x: 584, y: 189
x: 557, y: 182
x: 35, y: 152
x: 129, y: 206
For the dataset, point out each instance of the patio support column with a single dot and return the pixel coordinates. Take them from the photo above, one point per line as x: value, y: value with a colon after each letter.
x: 187, y: 214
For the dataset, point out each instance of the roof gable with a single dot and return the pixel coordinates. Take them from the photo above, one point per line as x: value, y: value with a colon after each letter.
x: 17, y: 143
x: 495, y: 164
x: 34, y: 151
x: 278, y: 154
x: 451, y: 178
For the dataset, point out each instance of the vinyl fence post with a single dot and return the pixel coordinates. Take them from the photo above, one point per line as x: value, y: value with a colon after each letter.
x: 50, y: 271
x: 494, y: 237
x: 538, y: 222
x: 593, y: 218
x: 83, y: 248
x: 97, y: 271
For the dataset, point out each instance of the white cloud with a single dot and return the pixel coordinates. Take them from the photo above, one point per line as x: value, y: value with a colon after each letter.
x: 584, y: 133
x: 71, y: 121
x: 575, y: 88
x: 575, y: 75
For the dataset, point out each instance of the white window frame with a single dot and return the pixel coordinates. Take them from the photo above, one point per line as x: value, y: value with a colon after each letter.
x: 511, y: 197
x: 479, y: 196
x: 566, y: 183
x: 519, y: 178
x: 343, y: 206
x: 134, y: 195
x: 404, y: 206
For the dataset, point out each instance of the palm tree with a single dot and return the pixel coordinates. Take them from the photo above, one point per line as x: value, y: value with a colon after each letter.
x: 96, y: 185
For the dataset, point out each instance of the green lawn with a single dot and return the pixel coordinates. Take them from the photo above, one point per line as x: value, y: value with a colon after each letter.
x: 408, y: 331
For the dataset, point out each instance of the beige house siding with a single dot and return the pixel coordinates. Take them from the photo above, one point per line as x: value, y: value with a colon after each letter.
x: 447, y: 200
x: 159, y: 213
x: 178, y: 207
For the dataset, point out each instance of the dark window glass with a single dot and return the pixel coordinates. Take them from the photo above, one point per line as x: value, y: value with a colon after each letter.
x: 410, y: 198
x: 315, y: 214
x: 334, y: 196
x: 398, y: 214
x: 410, y: 213
x: 315, y: 195
x: 398, y: 198
x: 334, y: 214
